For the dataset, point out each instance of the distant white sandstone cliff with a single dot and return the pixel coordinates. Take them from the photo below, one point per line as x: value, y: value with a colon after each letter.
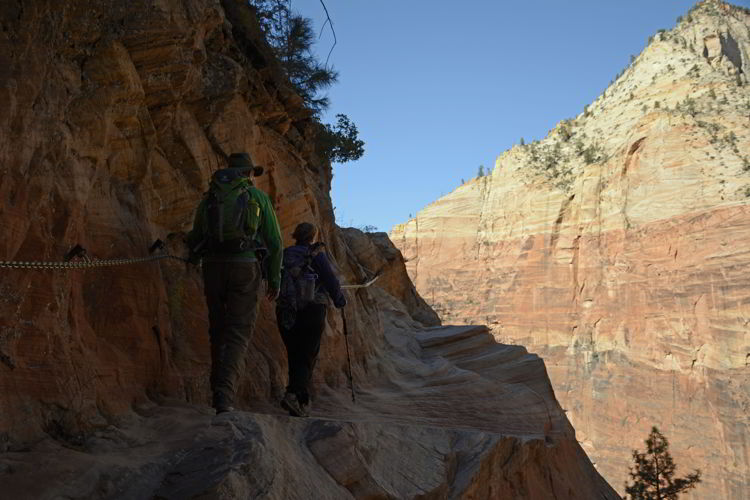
x: 616, y: 248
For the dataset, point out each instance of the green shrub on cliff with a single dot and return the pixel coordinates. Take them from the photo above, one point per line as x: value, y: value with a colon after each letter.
x: 689, y: 106
x: 340, y: 143
x: 592, y: 154
x: 291, y: 37
x: 566, y: 130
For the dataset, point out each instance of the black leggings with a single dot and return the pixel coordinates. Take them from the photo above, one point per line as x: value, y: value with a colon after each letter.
x: 302, y: 343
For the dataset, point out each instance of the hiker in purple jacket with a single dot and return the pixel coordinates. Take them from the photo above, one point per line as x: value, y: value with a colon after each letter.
x: 301, y: 321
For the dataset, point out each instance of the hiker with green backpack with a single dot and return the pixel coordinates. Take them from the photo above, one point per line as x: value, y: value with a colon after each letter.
x: 307, y: 282
x: 234, y: 224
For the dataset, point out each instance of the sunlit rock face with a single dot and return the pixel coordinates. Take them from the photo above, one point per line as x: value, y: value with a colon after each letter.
x: 115, y: 114
x: 617, y: 249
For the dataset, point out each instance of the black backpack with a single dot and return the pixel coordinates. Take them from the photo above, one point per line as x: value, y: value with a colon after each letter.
x: 297, y: 288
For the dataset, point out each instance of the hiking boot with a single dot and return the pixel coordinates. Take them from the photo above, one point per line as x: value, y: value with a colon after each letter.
x: 222, y: 404
x: 289, y: 403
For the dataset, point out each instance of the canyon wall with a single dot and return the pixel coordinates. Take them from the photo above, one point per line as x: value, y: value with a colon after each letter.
x: 617, y: 249
x: 114, y: 116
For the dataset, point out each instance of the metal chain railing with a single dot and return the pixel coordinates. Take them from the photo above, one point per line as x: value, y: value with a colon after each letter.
x: 85, y: 262
x: 82, y: 264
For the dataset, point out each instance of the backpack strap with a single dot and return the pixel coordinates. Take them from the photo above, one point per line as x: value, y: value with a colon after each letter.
x: 313, y: 251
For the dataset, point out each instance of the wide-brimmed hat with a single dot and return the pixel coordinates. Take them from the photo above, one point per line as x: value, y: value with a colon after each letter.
x: 245, y: 162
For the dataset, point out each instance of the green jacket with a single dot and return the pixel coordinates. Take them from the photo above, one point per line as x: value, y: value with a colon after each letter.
x: 268, y: 232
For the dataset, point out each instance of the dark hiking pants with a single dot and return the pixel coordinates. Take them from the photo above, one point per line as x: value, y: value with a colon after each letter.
x: 302, y: 343
x: 231, y: 290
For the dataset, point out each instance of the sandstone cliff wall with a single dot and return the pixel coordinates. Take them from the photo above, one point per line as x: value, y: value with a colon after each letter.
x: 114, y: 116
x: 617, y: 249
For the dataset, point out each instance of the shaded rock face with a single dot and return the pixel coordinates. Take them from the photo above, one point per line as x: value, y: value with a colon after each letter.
x: 378, y: 256
x: 616, y: 249
x: 114, y: 117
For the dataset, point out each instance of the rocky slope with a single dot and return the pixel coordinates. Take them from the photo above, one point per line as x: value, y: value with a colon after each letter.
x: 448, y: 414
x: 114, y: 116
x: 616, y: 248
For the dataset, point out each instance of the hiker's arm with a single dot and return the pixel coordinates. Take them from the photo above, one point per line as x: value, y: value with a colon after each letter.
x: 329, y: 279
x: 271, y: 234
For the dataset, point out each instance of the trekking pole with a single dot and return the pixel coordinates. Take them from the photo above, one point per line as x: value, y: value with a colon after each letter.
x: 346, y: 328
x: 348, y: 357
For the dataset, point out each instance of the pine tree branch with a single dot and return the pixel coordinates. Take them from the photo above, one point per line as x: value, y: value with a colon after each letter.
x: 328, y: 21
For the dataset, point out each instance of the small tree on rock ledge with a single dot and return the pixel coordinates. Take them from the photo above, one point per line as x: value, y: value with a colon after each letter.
x: 653, y: 474
x: 340, y: 143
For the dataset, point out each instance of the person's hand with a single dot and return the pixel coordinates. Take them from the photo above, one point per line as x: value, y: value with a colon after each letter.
x: 272, y: 293
x: 193, y: 262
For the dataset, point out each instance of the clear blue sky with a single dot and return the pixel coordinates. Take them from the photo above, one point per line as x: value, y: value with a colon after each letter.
x: 438, y: 88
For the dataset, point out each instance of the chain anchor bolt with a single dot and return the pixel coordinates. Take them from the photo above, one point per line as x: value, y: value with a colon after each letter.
x: 76, y: 251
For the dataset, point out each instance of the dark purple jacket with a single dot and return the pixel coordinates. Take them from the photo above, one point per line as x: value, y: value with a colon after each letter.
x: 326, y: 279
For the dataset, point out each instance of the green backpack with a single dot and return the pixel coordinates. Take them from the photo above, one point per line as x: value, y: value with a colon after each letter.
x: 232, y: 214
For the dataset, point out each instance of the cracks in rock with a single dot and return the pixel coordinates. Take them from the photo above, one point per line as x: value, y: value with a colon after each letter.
x: 624, y: 210
x: 513, y: 449
x: 577, y: 289
x: 216, y: 146
x: 634, y: 148
x: 485, y: 188
x: 20, y: 10
x: 7, y: 360
x: 631, y: 152
x: 546, y: 408
x: 558, y: 222
x: 8, y: 337
x: 695, y: 357
x: 273, y: 191
x: 159, y: 341
x: 697, y: 301
x: 551, y: 485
